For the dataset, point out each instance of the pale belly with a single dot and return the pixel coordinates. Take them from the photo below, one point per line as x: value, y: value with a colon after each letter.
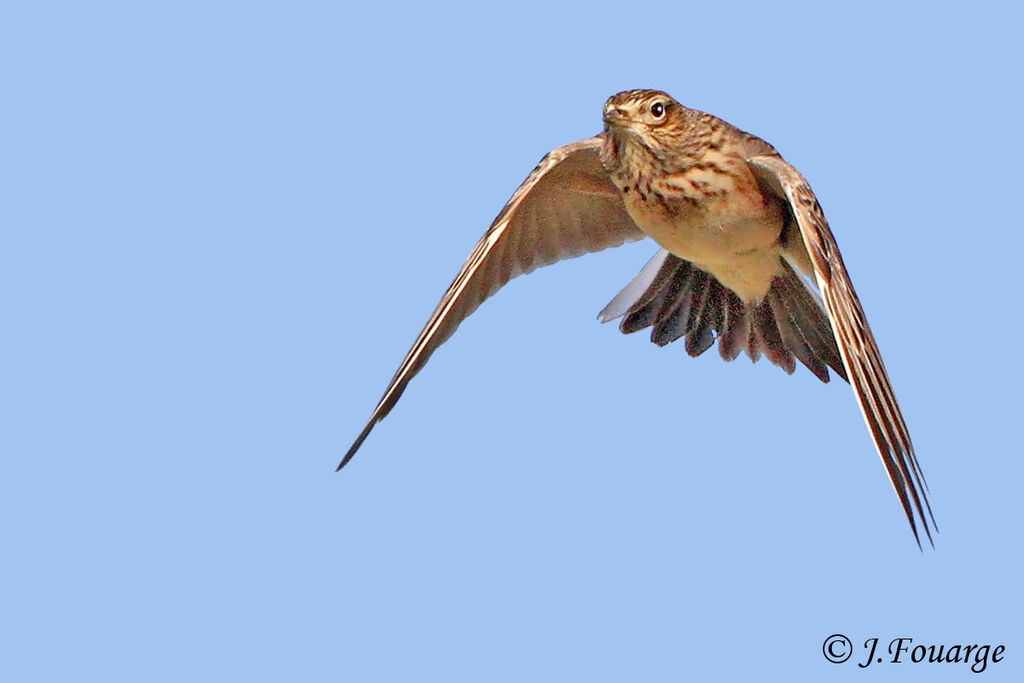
x: 733, y: 237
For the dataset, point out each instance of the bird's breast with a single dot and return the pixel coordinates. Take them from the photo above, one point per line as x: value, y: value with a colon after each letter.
x: 714, y: 218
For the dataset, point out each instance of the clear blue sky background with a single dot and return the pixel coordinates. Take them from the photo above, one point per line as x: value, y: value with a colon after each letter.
x: 223, y: 225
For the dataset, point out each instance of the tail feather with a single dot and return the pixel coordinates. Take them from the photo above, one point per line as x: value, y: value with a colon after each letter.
x: 807, y: 317
x: 793, y: 338
x: 681, y: 300
x: 673, y: 320
x: 701, y: 336
x: 734, y: 327
x: 645, y: 311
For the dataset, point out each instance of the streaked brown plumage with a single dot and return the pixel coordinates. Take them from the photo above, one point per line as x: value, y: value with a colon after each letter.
x: 739, y: 229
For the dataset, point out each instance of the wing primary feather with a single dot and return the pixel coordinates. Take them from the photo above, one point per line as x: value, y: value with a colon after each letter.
x: 567, y: 206
x: 856, y: 345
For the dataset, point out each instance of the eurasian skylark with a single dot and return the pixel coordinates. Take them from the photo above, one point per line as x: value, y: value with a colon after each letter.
x: 738, y: 227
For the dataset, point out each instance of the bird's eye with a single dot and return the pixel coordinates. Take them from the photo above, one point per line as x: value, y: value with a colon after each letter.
x: 658, y: 110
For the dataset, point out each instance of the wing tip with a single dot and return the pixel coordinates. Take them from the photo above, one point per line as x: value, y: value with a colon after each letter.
x: 921, y: 509
x: 358, y: 442
x: 927, y: 531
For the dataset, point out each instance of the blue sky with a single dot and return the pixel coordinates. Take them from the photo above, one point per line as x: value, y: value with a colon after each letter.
x: 223, y: 225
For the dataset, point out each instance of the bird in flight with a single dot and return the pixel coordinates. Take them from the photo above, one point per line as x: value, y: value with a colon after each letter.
x: 742, y: 238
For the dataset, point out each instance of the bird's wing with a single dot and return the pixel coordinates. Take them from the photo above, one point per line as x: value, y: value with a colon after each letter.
x: 565, y: 208
x: 857, y: 346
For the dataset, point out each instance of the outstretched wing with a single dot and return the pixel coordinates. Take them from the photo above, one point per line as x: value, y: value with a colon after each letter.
x: 565, y: 208
x: 857, y: 346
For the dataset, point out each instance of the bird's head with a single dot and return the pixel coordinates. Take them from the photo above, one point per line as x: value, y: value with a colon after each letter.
x: 645, y: 130
x: 640, y: 112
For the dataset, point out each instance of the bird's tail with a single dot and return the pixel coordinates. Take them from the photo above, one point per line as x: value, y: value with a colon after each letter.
x: 677, y: 299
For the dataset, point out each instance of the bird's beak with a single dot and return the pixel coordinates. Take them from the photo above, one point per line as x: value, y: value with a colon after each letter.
x: 614, y: 115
